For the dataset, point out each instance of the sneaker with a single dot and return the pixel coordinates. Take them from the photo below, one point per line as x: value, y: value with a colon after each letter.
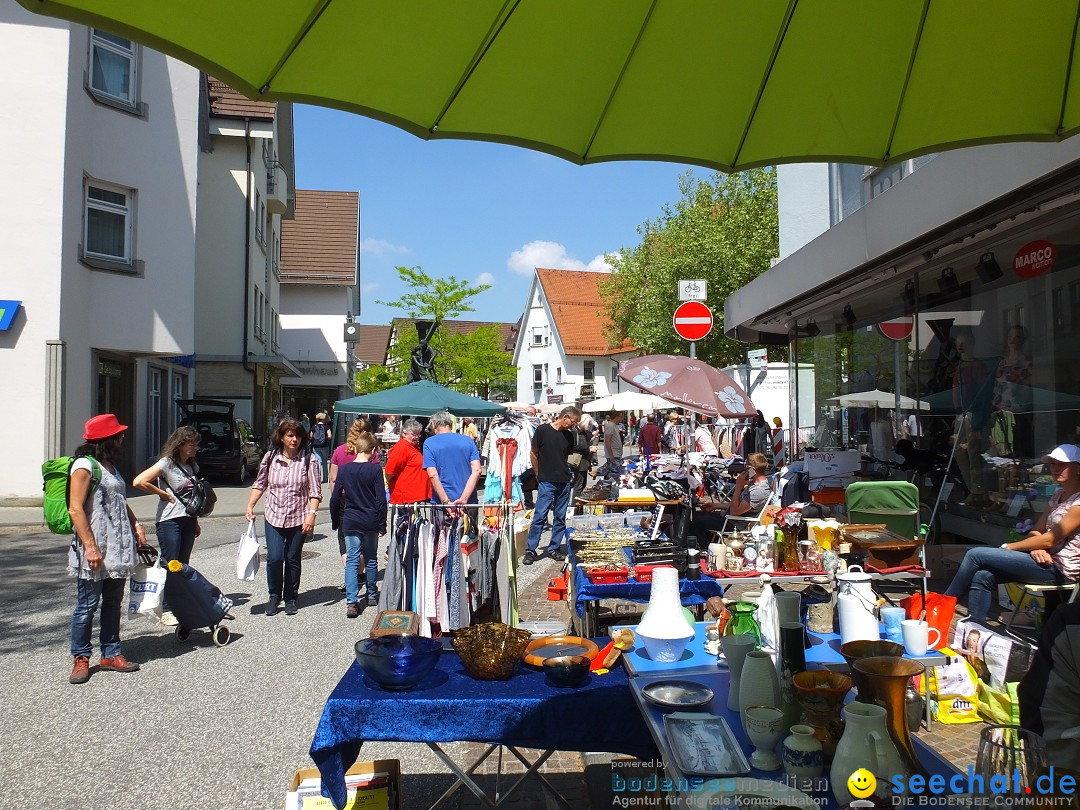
x: 341, y: 587
x: 352, y: 611
x: 290, y: 607
x: 168, y: 619
x: 272, y: 607
x: 373, y: 601
x: 558, y: 554
x: 529, y: 558
x: 117, y: 664
x: 80, y: 673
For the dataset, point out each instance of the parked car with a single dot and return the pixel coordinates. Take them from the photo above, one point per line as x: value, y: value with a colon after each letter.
x: 229, y: 447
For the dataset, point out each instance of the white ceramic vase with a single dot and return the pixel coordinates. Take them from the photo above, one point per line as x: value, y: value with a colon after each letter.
x: 802, y: 754
x: 758, y: 685
x: 663, y: 628
x: 735, y: 650
x: 865, y: 744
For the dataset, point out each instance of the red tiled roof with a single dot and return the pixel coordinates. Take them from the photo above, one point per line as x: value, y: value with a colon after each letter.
x: 318, y: 246
x: 507, y: 331
x: 573, y: 296
x: 228, y: 103
x: 372, y: 344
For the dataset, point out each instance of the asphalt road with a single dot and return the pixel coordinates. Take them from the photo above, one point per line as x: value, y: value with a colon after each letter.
x: 199, y: 726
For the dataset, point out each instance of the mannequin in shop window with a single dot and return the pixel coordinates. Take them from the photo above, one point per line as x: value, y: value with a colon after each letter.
x: 971, y: 389
x: 1012, y: 429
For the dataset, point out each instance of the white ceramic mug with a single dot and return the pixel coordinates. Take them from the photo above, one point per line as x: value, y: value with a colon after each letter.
x: 917, y: 636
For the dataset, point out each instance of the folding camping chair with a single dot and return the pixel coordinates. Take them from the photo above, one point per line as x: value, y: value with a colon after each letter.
x: 749, y: 520
x: 1030, y: 591
x: 896, y: 505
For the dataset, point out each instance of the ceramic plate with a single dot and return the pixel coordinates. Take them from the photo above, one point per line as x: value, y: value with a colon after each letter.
x: 546, y: 647
x: 678, y: 694
x: 740, y: 792
x: 703, y: 745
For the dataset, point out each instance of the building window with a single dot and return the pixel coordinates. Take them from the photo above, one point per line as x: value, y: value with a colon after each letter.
x: 538, y: 337
x: 538, y: 378
x: 558, y: 374
x: 590, y: 370
x: 615, y: 373
x: 112, y: 68
x: 107, y: 223
x: 260, y: 219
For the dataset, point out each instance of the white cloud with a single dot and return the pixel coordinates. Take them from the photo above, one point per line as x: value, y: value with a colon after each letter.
x: 371, y: 286
x: 542, y: 253
x: 485, y: 278
x: 380, y: 247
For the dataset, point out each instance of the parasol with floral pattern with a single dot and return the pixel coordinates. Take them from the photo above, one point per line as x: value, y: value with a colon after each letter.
x: 689, y: 383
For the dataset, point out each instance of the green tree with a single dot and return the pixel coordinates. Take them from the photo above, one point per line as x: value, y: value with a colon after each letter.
x: 724, y: 230
x: 473, y: 363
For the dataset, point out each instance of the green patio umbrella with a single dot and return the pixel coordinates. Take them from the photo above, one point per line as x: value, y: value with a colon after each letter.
x: 421, y: 398
x: 728, y: 84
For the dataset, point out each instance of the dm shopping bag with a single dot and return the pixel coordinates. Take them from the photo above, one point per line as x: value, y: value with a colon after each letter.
x: 146, y: 585
x: 247, y: 554
x: 953, y: 690
x: 939, y: 612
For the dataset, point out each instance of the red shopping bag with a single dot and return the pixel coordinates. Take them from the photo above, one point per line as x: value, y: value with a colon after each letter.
x: 939, y: 612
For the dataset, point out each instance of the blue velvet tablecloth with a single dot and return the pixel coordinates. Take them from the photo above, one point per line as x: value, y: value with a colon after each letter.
x: 450, y: 705
x: 691, y: 591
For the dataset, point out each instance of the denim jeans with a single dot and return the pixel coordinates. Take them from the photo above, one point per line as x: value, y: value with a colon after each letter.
x: 323, y: 454
x: 109, y: 593
x: 366, y: 543
x: 984, y: 568
x: 550, y: 495
x: 283, y: 548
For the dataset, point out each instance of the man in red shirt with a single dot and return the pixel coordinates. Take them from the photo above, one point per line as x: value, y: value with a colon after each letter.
x: 650, y: 437
x: 406, y: 477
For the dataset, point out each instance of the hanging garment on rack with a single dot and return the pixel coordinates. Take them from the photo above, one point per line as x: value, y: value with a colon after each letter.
x: 442, y: 616
x: 485, y: 575
x: 454, y: 586
x: 425, y: 587
x: 513, y: 428
x: 493, y: 494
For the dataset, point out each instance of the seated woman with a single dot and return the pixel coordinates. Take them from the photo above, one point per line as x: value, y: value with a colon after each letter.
x: 1049, y: 555
x: 751, y: 493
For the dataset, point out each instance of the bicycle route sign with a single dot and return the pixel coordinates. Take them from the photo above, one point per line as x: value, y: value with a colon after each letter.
x: 692, y: 289
x: 692, y: 320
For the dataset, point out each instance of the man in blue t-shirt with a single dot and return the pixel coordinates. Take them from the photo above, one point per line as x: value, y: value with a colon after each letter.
x: 452, y: 462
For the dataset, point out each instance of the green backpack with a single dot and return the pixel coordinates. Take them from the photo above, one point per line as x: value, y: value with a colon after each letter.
x: 56, y: 480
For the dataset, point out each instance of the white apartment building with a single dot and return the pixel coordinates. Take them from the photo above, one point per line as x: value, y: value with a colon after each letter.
x: 561, y: 353
x: 320, y: 265
x: 245, y: 189
x: 98, y: 224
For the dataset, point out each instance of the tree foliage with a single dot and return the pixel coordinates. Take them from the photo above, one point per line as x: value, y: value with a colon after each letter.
x: 723, y: 230
x: 473, y: 363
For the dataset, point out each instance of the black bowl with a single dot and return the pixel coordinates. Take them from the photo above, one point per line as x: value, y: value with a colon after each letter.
x: 567, y: 670
x: 398, y: 663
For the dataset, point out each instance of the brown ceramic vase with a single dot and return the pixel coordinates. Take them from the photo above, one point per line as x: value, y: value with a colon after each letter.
x: 886, y: 679
x: 821, y: 695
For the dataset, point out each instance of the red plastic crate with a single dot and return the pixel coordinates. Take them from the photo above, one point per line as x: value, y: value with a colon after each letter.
x: 643, y: 573
x: 557, y: 589
x: 607, y: 576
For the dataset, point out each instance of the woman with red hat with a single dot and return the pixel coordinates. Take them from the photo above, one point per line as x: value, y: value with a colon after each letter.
x: 107, y: 536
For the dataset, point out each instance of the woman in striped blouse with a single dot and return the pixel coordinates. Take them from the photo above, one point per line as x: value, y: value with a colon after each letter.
x: 290, y: 476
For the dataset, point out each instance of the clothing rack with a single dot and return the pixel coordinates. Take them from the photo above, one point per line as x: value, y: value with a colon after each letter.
x: 448, y: 572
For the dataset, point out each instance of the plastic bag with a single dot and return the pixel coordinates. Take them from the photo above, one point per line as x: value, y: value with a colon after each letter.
x: 145, y: 588
x: 953, y: 690
x: 247, y: 554
x: 939, y: 612
x: 1000, y: 706
x: 768, y: 619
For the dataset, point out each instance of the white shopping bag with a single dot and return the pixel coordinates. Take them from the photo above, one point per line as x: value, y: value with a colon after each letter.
x: 145, y: 588
x: 247, y: 555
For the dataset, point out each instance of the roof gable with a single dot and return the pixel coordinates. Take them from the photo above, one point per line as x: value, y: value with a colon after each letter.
x: 318, y: 245
x: 577, y: 309
x: 228, y: 103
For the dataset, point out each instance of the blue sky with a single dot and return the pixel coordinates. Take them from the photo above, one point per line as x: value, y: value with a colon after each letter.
x: 482, y: 212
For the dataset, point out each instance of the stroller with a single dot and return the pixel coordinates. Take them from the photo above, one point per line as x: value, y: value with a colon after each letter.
x: 196, y: 602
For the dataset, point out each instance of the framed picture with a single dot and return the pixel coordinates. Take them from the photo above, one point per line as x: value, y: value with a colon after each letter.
x: 395, y: 623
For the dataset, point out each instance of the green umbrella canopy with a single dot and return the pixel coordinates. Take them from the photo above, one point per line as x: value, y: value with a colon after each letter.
x: 728, y: 84
x: 421, y: 398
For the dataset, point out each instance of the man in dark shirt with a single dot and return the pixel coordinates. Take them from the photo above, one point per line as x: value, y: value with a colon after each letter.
x: 650, y: 437
x: 551, y: 445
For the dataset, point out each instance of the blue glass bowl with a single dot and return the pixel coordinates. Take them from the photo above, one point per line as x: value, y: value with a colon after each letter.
x: 398, y: 663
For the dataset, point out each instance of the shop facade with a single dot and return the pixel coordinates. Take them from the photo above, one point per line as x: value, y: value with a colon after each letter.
x: 973, y: 318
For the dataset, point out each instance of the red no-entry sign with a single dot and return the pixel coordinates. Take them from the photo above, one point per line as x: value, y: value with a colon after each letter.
x: 693, y: 320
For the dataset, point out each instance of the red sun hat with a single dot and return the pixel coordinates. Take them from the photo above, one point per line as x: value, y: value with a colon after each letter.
x: 102, y: 427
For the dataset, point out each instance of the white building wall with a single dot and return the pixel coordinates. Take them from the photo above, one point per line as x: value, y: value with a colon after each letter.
x: 803, y: 193
x: 60, y: 135
x: 312, y: 321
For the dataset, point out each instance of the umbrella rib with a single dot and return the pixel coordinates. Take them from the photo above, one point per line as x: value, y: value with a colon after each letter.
x: 907, y: 78
x: 765, y: 79
x: 489, y: 39
x: 618, y: 81
x: 1068, y: 74
x: 313, y: 18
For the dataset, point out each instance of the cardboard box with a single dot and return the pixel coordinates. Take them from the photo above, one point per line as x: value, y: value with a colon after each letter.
x: 831, y: 467
x: 385, y: 793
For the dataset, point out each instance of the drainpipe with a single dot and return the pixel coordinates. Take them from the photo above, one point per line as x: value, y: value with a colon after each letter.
x: 248, y: 202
